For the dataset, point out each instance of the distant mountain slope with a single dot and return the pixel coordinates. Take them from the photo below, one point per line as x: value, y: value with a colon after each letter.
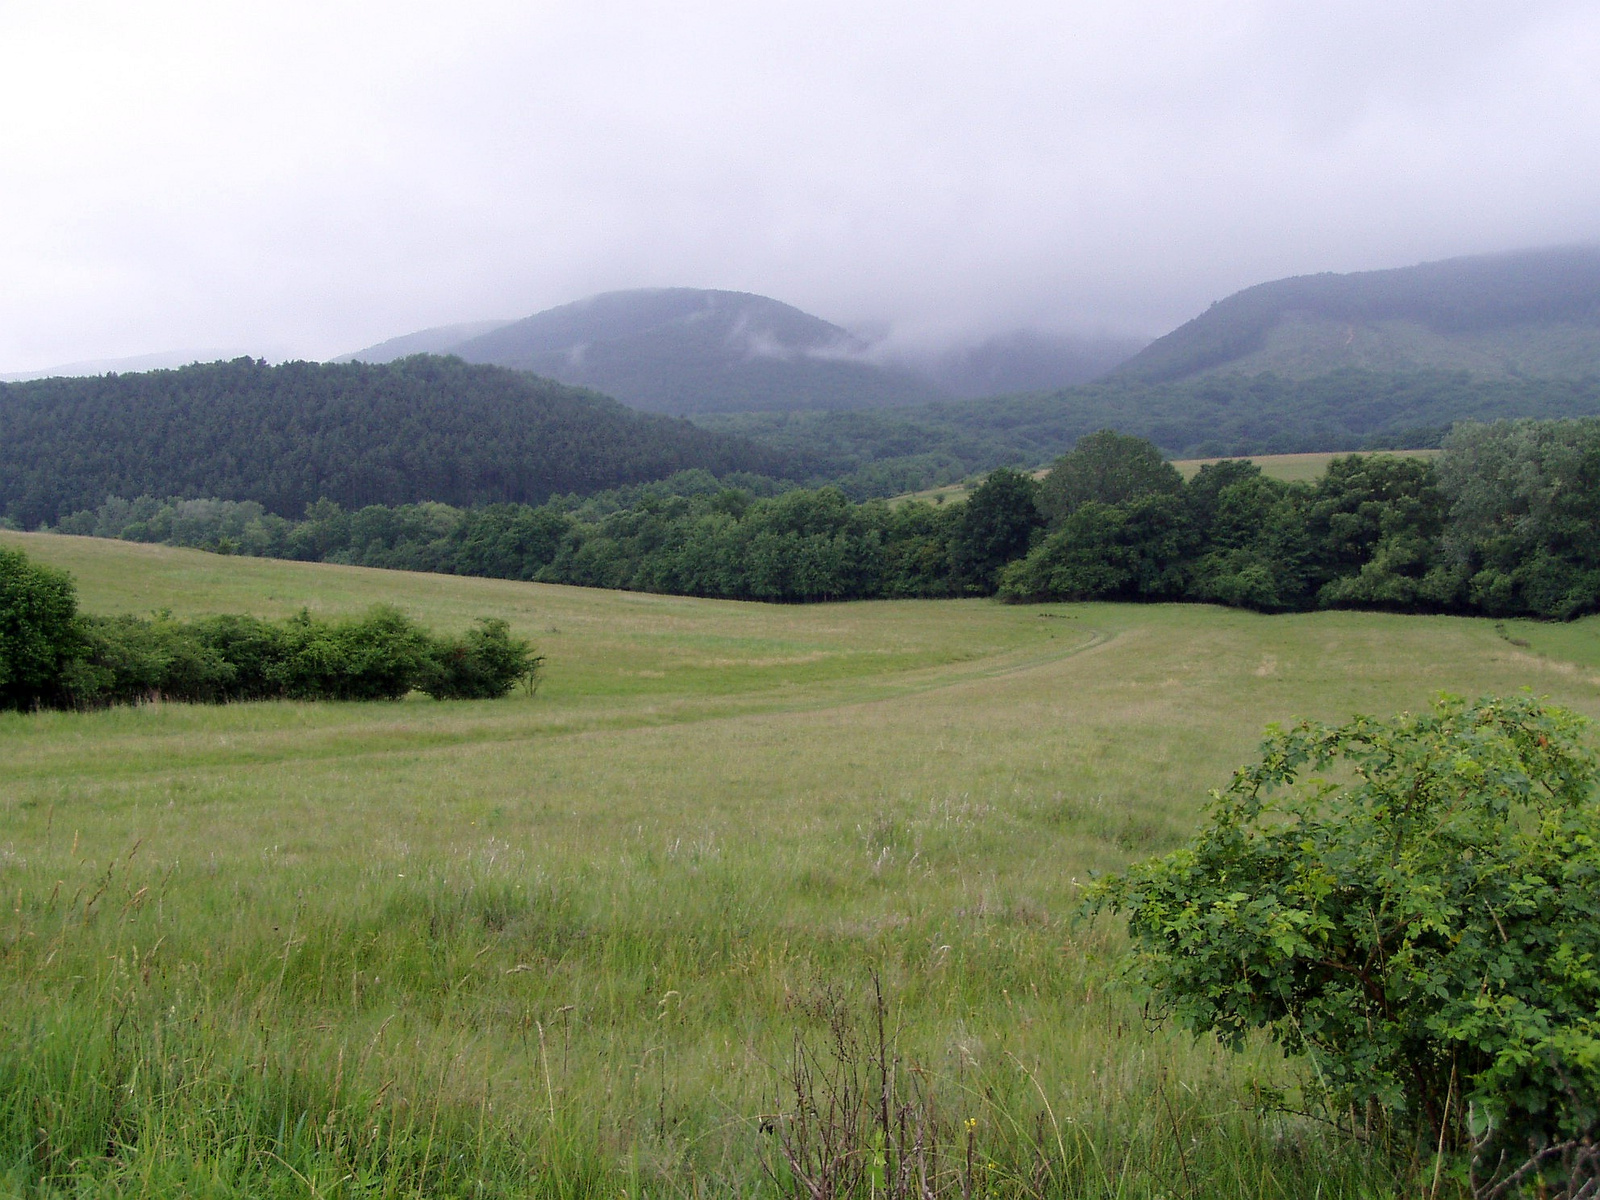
x: 1527, y: 314
x: 137, y: 362
x: 1025, y: 361
x: 680, y: 351
x: 423, y: 428
x: 685, y: 350
x: 441, y: 339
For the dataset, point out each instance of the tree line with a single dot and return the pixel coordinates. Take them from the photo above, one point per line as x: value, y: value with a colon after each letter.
x: 1505, y: 521
x: 430, y: 428
x: 53, y: 656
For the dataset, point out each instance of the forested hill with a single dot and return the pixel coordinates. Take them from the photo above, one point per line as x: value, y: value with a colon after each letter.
x: 423, y: 428
x: 690, y: 350
x: 1531, y: 314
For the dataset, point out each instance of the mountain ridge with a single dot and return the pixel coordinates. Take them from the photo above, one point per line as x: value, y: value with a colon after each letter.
x: 439, y: 339
x: 1519, y: 314
x: 688, y: 350
x: 693, y: 351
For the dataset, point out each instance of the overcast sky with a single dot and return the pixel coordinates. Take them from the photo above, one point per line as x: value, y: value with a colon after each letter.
x: 301, y: 179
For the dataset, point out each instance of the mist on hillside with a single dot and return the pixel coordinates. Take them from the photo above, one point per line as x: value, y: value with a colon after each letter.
x: 306, y: 181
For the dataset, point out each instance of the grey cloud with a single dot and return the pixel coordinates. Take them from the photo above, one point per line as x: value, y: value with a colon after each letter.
x: 312, y: 178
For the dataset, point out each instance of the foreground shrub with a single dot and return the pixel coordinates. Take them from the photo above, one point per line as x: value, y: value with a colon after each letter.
x: 1427, y: 934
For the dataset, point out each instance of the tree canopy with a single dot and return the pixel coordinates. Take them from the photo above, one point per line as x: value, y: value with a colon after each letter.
x: 1106, y: 467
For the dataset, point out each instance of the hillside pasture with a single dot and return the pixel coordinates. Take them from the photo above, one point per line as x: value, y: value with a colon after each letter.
x: 567, y: 944
x: 1292, y: 468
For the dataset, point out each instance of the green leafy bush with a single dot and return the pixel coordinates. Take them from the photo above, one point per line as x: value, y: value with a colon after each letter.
x: 131, y: 659
x: 1425, y: 930
x: 484, y: 664
x: 39, y: 632
x: 380, y: 656
x: 251, y: 647
x: 51, y: 656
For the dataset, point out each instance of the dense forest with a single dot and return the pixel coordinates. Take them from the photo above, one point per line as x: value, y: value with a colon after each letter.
x: 1505, y: 522
x: 430, y: 429
x: 424, y: 428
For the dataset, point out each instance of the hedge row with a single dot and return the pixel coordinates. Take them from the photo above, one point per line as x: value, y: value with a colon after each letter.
x: 52, y: 656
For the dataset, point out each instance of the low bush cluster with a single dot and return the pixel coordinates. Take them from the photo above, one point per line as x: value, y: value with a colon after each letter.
x: 39, y: 633
x: 53, y: 656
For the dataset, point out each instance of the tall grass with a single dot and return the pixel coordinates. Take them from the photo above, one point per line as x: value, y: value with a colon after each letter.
x: 474, y: 1031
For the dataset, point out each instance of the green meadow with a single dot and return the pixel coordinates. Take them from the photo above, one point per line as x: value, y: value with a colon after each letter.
x: 575, y: 943
x: 1292, y: 468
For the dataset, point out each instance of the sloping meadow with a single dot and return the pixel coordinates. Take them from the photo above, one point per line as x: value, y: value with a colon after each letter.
x: 629, y: 935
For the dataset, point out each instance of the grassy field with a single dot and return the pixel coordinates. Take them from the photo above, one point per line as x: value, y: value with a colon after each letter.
x: 1295, y: 468
x: 569, y: 944
x: 946, y: 492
